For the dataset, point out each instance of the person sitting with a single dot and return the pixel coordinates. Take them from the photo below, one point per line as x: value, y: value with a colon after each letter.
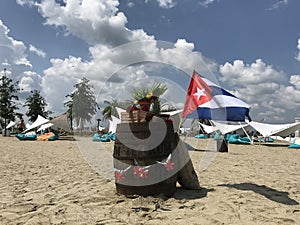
x: 21, y: 126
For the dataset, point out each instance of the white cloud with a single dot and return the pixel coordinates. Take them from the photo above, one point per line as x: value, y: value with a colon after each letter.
x: 92, y: 21
x: 182, y: 43
x: 206, y: 3
x: 295, y: 80
x: 37, y: 51
x: 114, y: 48
x: 25, y: 2
x: 166, y: 3
x: 12, y: 51
x: 240, y: 73
x: 113, y: 70
x: 30, y: 81
x: 265, y: 89
x: 298, y: 48
x: 19, y: 68
x: 279, y: 4
x: 130, y: 4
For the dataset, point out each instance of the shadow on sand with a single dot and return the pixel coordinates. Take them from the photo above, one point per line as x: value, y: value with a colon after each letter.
x: 270, y: 193
x: 182, y: 193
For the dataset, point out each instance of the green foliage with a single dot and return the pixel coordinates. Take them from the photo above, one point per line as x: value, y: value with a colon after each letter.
x: 82, y: 103
x: 110, y: 109
x: 36, y: 106
x: 8, y: 91
x: 157, y: 89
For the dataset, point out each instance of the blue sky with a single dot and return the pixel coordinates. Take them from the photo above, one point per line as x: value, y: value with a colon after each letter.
x: 250, y: 47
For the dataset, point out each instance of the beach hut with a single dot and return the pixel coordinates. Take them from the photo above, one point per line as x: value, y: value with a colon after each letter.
x: 61, y: 123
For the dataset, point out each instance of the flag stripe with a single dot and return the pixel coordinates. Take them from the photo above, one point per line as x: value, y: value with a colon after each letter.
x: 222, y: 114
x: 217, y: 90
x: 224, y: 101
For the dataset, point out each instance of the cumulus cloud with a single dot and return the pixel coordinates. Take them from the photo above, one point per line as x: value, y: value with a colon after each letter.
x: 18, y: 67
x: 30, y: 81
x: 14, y: 59
x: 113, y: 71
x: 269, y: 92
x: 258, y: 72
x: 12, y: 51
x: 295, y: 81
x: 37, y: 51
x: 92, y: 21
x: 118, y: 54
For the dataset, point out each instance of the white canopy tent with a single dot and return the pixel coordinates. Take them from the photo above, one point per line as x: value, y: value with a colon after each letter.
x: 11, y: 124
x: 208, y: 129
x: 45, y: 126
x: 38, y: 122
x: 223, y: 127
x: 113, y: 124
x: 282, y: 130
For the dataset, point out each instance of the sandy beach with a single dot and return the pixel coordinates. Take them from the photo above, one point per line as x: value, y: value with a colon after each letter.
x: 52, y: 183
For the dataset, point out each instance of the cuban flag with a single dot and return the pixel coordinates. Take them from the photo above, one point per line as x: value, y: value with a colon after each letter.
x: 207, y: 100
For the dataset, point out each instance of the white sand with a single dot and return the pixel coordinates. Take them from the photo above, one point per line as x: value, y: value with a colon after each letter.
x: 52, y: 183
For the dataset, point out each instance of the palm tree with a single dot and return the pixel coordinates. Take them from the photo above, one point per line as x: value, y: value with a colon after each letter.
x: 110, y: 109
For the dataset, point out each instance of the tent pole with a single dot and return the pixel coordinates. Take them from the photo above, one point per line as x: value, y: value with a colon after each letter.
x: 246, y: 132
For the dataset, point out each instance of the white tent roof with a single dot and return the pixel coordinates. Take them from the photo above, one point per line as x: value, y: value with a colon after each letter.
x: 209, y: 129
x: 222, y: 127
x: 113, y: 124
x: 282, y: 130
x: 45, y: 126
x: 11, y: 124
x: 38, y: 122
x: 228, y: 128
x: 175, y: 116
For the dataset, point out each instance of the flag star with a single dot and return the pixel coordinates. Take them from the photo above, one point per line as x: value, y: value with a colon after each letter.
x: 200, y: 92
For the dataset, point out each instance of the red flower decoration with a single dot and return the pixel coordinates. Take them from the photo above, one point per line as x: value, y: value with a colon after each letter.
x: 119, y: 176
x: 140, y: 172
x: 169, y: 165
